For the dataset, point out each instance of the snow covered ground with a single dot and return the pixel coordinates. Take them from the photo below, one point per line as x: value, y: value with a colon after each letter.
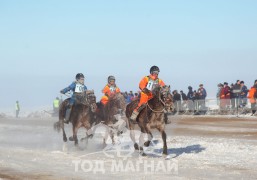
x: 200, y: 147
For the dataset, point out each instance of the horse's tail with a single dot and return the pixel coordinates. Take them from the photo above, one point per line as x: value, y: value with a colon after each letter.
x: 62, y: 110
x: 57, y: 126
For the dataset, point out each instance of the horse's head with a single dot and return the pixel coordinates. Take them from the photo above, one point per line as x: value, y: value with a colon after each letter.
x: 91, y: 100
x: 117, y: 101
x: 163, y: 95
x: 167, y: 98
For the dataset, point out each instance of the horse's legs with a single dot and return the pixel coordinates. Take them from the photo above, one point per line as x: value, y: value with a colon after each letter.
x: 112, y: 136
x: 132, y: 135
x: 106, y: 135
x: 141, y: 138
x: 149, y: 135
x: 164, y: 136
x: 75, y: 131
x: 63, y: 131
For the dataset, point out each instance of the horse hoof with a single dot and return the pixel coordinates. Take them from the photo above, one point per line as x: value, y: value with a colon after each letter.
x: 165, y: 153
x: 82, y: 139
x: 136, y: 147
x: 143, y: 154
x: 147, y: 143
x: 71, y: 138
x: 65, y: 139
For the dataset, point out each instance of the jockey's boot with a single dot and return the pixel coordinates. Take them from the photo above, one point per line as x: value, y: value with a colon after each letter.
x: 67, y: 114
x: 135, y: 113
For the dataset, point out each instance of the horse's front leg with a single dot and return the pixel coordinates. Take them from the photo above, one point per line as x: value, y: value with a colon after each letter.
x: 149, y: 136
x: 164, y: 136
x: 112, y: 136
x: 75, y: 131
x: 132, y: 135
x: 63, y: 131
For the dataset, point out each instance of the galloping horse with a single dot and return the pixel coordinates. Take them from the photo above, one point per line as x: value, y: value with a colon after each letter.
x: 106, y: 113
x: 82, y: 114
x: 152, y: 116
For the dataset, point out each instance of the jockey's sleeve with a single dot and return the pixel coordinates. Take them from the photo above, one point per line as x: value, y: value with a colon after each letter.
x: 161, y: 83
x: 117, y: 90
x: 70, y: 87
x: 106, y: 90
x: 85, y: 87
x: 143, y: 83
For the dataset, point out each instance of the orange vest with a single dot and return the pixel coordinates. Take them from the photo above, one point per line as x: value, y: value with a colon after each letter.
x: 109, y: 90
x: 251, y: 95
x: 144, y: 82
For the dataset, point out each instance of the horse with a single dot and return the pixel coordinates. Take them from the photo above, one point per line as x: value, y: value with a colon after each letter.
x: 82, y: 114
x: 151, y: 117
x: 107, y: 114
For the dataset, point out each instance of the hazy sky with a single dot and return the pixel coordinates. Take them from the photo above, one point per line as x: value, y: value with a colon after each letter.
x: 43, y: 44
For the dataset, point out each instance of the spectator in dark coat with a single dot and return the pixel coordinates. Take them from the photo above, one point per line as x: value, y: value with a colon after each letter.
x: 243, y: 94
x: 236, y: 92
x: 190, y: 97
x: 183, y: 95
x: 184, y: 98
x: 202, y: 95
x: 177, y: 100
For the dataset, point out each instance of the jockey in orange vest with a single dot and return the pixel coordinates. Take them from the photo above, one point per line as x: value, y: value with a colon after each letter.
x: 146, y: 86
x: 109, y: 90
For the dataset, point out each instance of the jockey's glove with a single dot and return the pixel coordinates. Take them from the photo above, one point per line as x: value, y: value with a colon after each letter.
x: 145, y: 90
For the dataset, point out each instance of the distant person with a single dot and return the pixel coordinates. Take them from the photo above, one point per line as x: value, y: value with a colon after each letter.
x: 17, y: 109
x: 183, y: 95
x: 253, y: 97
x: 135, y: 96
x: 56, y: 105
x: 202, y: 95
x: 218, y: 93
x: 243, y: 94
x: 232, y: 96
x: 225, y: 96
x: 184, y: 98
x: 222, y: 102
x: 177, y: 100
x: 125, y: 94
x: 76, y: 87
x: 190, y: 98
x: 236, y: 92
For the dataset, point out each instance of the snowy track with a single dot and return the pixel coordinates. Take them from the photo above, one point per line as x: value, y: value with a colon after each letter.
x: 204, y: 148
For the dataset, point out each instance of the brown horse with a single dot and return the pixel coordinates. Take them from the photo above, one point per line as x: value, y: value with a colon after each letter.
x: 106, y: 113
x: 82, y: 114
x: 152, y: 116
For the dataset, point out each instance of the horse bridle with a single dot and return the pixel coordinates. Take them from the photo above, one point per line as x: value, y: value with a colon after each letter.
x: 165, y: 104
x: 90, y: 103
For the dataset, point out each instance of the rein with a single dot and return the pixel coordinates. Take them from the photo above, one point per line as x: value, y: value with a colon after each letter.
x: 161, y: 102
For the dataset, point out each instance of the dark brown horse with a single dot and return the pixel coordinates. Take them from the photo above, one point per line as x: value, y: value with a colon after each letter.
x: 151, y: 117
x: 106, y: 113
x: 82, y: 114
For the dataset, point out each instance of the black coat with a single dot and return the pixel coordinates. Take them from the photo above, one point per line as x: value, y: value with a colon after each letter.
x: 177, y: 97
